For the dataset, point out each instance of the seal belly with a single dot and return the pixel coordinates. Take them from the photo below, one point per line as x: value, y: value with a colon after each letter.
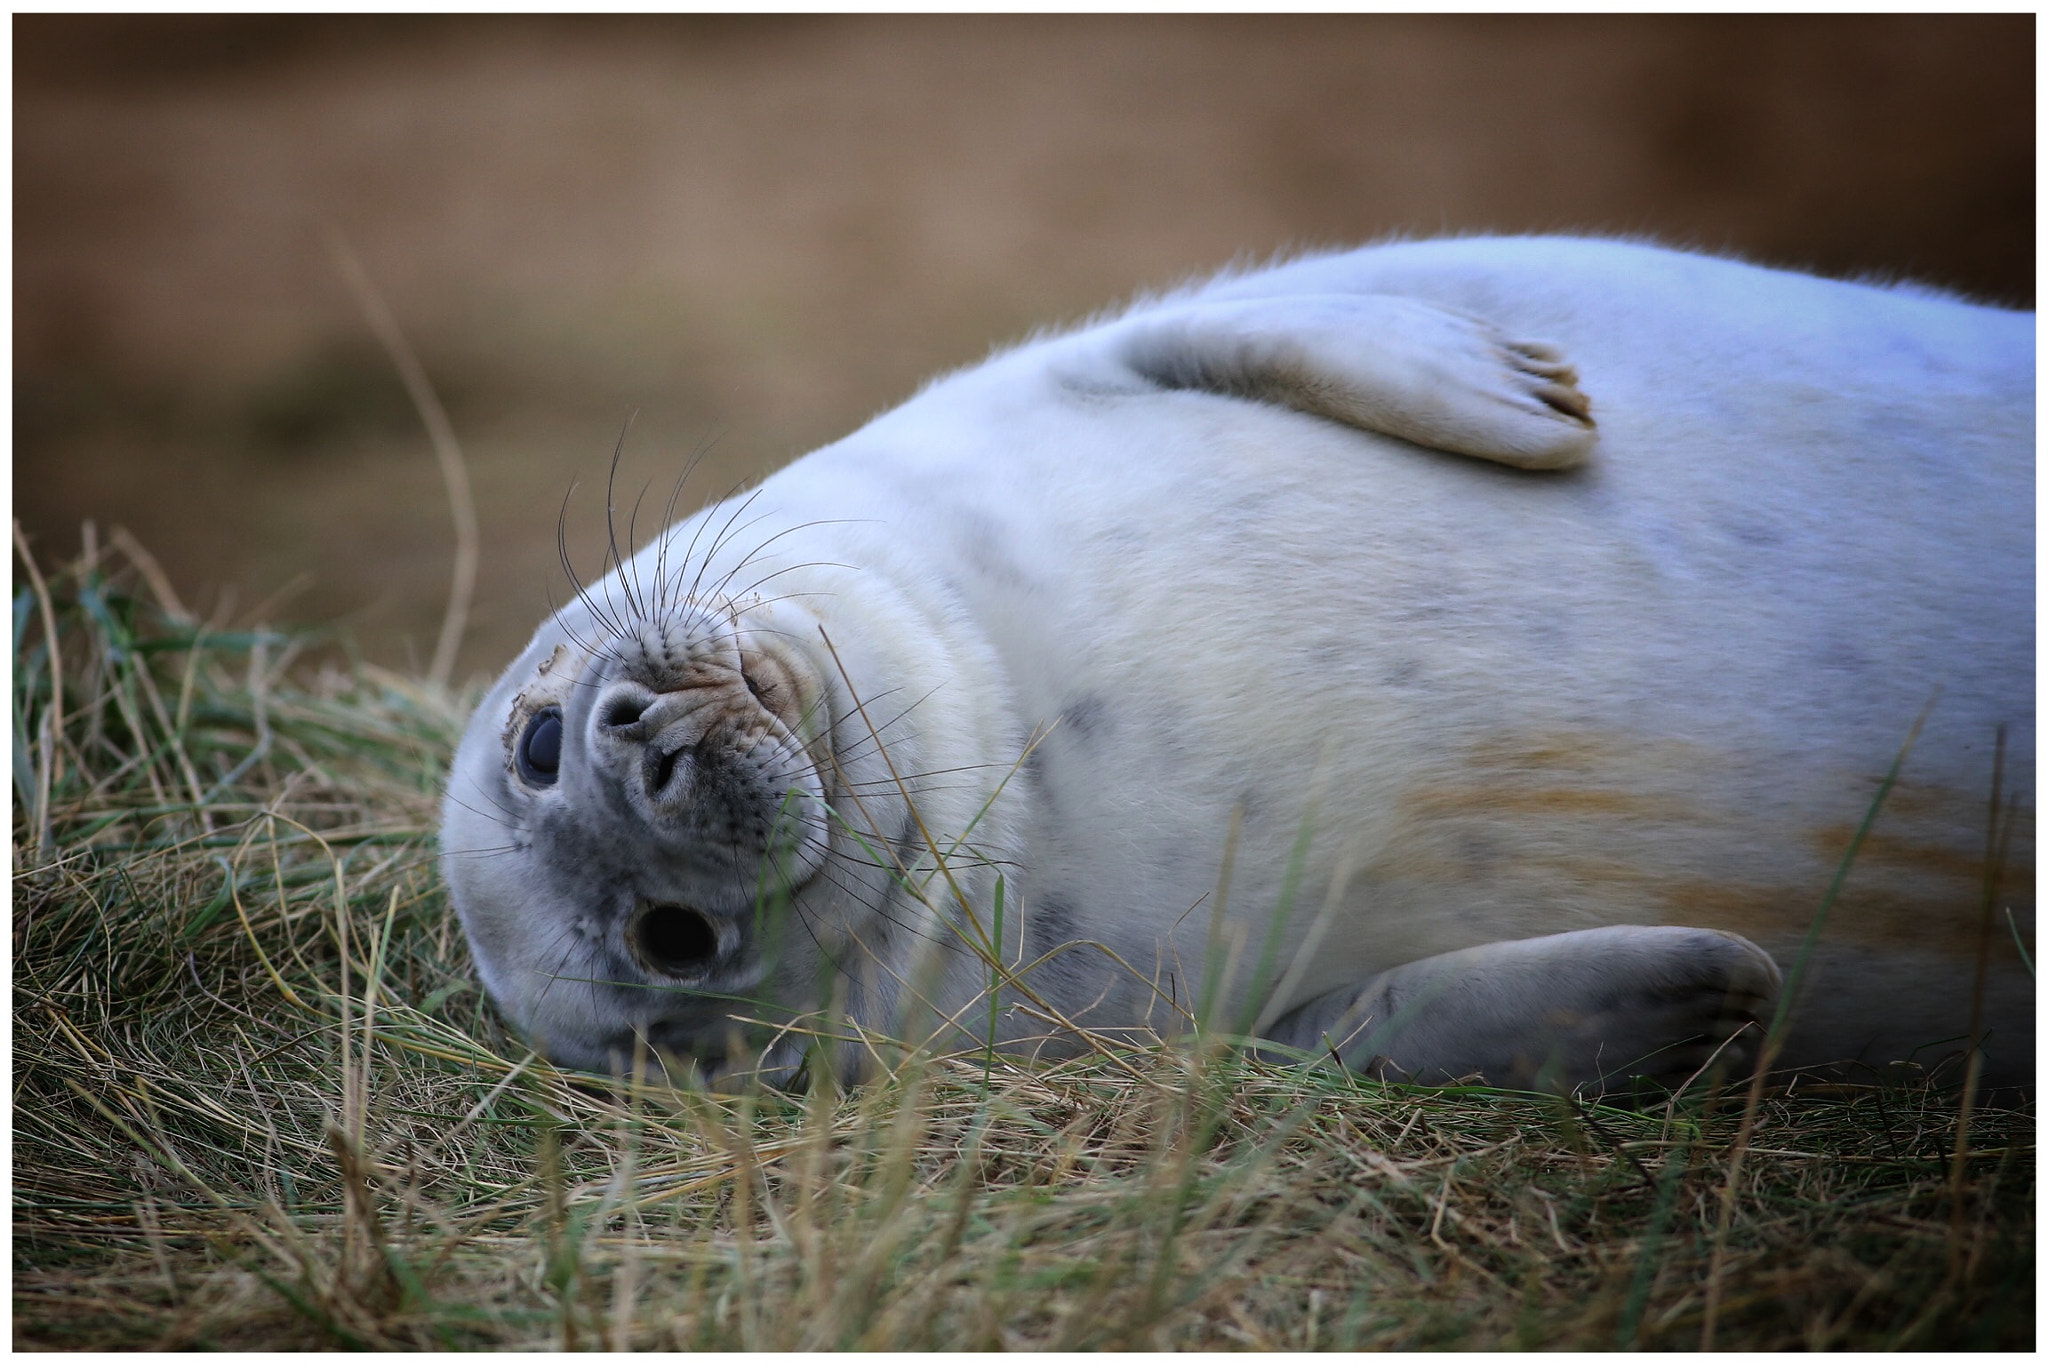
x: 1662, y: 689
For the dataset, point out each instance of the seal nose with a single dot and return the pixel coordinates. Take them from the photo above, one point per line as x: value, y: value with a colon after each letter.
x: 637, y: 728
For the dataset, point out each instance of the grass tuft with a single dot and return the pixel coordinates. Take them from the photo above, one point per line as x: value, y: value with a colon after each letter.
x: 260, y: 1104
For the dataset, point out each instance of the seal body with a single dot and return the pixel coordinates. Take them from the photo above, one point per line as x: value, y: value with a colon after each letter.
x: 1296, y: 655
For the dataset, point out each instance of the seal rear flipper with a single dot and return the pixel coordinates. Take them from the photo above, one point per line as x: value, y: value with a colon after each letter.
x: 1381, y: 363
x: 1584, y: 1008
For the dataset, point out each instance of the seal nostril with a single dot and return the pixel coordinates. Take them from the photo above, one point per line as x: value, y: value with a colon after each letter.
x: 622, y: 712
x: 660, y: 768
x: 675, y: 940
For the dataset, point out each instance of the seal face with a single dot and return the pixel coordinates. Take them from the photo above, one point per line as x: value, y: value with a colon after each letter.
x: 1309, y: 655
x: 662, y: 781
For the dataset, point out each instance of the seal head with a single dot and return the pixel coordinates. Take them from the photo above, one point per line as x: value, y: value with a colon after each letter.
x: 630, y: 820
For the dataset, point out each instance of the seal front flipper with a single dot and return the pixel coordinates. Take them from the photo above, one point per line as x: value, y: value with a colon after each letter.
x: 1557, y: 1012
x: 1397, y: 366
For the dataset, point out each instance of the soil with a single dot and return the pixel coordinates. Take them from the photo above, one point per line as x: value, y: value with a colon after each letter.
x: 746, y: 235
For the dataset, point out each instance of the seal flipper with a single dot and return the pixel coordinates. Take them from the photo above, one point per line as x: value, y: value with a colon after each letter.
x: 1378, y: 362
x: 1557, y: 1012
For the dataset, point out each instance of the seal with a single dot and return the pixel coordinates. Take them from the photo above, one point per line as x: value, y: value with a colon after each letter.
x: 1294, y: 655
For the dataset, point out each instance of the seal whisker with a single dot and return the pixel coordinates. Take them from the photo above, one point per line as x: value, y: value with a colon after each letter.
x: 648, y: 611
x: 478, y: 852
x: 697, y: 530
x: 611, y: 530
x: 722, y: 588
x: 576, y: 584
x: 804, y: 595
x: 916, y: 791
x: 757, y: 631
x: 668, y: 517
x: 859, y: 747
x: 504, y: 817
x: 733, y: 529
x: 947, y: 772
x: 787, y: 531
x: 703, y: 562
x: 564, y: 933
x: 725, y: 592
x: 556, y: 611
x: 579, y: 589
x: 878, y: 910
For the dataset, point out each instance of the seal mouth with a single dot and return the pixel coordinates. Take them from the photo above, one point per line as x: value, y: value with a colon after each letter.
x: 675, y: 941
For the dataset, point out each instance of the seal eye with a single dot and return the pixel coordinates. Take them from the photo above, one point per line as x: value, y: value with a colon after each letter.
x: 539, y: 753
x: 675, y: 940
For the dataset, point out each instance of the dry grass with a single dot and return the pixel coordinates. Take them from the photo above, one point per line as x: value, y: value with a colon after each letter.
x: 258, y: 1103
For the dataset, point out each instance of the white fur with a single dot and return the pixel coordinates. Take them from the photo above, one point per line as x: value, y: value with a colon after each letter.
x: 1465, y: 704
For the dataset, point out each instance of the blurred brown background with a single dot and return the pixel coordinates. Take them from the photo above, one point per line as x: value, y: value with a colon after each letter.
x: 757, y: 232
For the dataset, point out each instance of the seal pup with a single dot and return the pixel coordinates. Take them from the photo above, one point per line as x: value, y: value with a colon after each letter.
x: 1295, y: 653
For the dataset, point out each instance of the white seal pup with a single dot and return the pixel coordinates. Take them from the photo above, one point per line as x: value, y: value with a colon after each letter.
x: 1296, y: 654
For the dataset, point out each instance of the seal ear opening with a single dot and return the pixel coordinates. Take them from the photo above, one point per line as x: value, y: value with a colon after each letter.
x: 674, y: 940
